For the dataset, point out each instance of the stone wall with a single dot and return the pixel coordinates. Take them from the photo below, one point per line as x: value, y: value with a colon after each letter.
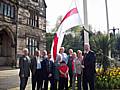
x: 25, y: 30
x: 19, y: 25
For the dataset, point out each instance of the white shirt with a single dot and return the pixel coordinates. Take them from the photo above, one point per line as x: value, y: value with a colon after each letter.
x: 38, y: 62
x: 64, y: 57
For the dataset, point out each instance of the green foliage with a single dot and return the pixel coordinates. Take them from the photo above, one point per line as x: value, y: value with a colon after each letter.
x: 101, y: 44
x: 117, y: 45
x: 49, y: 40
x: 14, y: 1
x: 58, y: 21
x: 72, y: 39
x: 72, y: 42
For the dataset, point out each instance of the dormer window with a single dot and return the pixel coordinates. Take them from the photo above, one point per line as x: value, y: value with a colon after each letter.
x: 35, y: 0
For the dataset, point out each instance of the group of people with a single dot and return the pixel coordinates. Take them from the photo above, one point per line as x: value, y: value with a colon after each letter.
x: 65, y: 68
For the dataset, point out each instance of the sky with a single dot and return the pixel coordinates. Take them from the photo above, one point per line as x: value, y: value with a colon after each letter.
x: 96, y: 13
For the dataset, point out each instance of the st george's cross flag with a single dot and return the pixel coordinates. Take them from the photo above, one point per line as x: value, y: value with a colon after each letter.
x: 71, y: 19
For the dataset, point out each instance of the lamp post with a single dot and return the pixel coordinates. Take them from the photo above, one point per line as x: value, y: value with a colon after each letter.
x: 114, y: 29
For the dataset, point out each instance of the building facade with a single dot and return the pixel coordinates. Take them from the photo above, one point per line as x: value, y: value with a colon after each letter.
x: 22, y: 25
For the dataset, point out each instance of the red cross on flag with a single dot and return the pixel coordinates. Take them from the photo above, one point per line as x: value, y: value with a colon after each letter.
x: 71, y: 19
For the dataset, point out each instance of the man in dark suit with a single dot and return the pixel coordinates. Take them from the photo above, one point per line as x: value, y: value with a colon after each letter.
x: 24, y: 64
x: 89, y: 68
x: 36, y: 71
x: 48, y: 68
x: 70, y: 60
x: 44, y: 54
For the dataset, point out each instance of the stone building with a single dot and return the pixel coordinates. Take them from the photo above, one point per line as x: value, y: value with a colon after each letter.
x: 22, y: 24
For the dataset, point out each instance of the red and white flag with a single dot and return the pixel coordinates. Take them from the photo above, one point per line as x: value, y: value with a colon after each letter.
x: 71, y: 19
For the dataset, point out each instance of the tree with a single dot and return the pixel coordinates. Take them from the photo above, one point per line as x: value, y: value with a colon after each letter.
x: 49, y: 40
x: 73, y: 39
x: 59, y: 19
x: 101, y: 44
x: 117, y: 46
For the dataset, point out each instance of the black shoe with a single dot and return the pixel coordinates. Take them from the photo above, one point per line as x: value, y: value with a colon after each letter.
x: 70, y: 86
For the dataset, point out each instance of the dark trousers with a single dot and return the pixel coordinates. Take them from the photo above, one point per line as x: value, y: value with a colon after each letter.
x: 88, y: 80
x: 23, y: 82
x: 71, y: 76
x: 37, y: 79
x: 63, y: 83
x: 51, y: 83
x: 79, y: 81
x: 56, y: 83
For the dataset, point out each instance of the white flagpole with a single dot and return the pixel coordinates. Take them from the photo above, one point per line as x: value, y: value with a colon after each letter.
x: 107, y: 19
x: 86, y: 35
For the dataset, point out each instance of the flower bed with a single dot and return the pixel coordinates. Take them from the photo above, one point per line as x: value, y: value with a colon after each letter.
x: 109, y: 79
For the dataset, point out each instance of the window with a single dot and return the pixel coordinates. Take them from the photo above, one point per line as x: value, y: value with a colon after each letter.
x: 31, y: 44
x: 42, y: 23
x: 1, y: 8
x: 7, y: 10
x: 12, y: 12
x: 34, y: 20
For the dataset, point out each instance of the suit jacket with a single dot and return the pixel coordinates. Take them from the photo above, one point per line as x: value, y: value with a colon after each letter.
x: 33, y: 65
x: 24, y: 65
x: 45, y: 66
x: 70, y: 60
x: 89, y: 63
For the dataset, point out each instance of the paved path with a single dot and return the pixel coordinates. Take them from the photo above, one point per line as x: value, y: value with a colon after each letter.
x: 9, y: 79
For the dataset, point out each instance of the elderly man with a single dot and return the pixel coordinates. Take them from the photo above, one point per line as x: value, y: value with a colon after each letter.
x: 89, y: 68
x: 24, y: 64
x: 36, y: 69
x: 64, y: 55
x: 70, y: 60
x: 48, y: 75
x: 44, y: 54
